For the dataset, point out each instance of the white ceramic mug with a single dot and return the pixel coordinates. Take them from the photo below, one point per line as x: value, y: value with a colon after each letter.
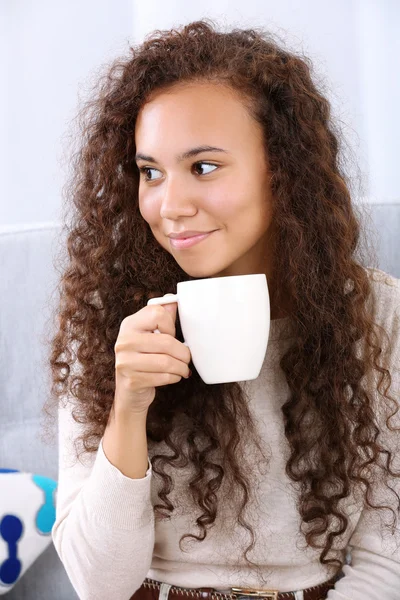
x: 225, y: 323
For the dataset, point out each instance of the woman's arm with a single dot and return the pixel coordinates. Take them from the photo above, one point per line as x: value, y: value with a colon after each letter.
x: 374, y: 573
x: 104, y: 528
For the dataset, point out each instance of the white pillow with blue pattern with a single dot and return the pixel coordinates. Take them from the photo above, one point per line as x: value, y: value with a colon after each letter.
x: 27, y: 515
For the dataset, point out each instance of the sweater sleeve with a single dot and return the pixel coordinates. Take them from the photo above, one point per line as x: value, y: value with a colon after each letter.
x: 104, y: 527
x: 374, y: 572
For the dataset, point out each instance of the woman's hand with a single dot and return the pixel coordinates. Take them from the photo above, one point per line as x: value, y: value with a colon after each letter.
x: 145, y: 360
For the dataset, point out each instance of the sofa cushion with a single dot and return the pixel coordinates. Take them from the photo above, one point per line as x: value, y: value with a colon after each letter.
x: 27, y: 514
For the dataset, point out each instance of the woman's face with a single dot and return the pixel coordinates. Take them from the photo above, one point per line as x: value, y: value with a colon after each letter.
x: 225, y: 191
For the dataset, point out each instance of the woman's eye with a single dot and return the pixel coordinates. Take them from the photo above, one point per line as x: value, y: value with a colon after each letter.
x: 145, y: 171
x: 201, y: 165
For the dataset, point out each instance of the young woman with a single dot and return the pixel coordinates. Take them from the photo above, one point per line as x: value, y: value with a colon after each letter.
x: 169, y: 487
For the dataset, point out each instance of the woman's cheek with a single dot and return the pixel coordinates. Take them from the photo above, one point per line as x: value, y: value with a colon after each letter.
x: 151, y: 214
x: 148, y: 209
x: 222, y: 205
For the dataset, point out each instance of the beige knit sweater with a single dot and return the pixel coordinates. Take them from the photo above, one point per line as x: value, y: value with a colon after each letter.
x: 108, y: 540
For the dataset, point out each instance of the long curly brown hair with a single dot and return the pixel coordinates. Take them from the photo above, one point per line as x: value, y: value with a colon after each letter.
x: 115, y: 265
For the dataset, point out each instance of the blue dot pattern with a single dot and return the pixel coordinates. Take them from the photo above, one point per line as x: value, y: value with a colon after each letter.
x: 46, y: 514
x: 12, y: 527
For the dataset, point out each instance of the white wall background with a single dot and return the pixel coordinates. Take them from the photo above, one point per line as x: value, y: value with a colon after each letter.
x: 50, y: 53
x: 52, y: 50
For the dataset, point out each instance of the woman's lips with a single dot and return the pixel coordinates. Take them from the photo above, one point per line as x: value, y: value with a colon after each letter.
x: 189, y: 242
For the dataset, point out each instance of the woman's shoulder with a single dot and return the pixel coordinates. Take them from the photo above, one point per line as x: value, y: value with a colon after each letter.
x: 382, y: 278
x: 386, y: 291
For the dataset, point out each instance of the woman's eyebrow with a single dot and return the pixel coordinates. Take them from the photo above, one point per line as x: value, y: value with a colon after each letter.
x: 184, y: 155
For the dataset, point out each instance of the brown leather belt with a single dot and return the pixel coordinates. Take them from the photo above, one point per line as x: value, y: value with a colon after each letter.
x: 150, y: 590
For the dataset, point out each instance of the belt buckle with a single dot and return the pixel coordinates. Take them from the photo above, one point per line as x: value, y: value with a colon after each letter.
x: 254, y: 593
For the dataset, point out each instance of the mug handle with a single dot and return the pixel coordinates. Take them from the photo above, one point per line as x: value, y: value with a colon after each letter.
x: 167, y: 299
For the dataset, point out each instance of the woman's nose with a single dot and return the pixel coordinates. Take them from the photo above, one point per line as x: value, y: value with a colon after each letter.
x: 177, y: 200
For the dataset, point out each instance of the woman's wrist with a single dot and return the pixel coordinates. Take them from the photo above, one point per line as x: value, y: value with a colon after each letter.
x: 125, y: 443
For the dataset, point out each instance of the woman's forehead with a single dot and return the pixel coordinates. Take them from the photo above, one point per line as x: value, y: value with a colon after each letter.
x: 194, y: 115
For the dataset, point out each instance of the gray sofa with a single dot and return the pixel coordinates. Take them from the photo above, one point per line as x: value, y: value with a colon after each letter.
x: 27, y: 286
